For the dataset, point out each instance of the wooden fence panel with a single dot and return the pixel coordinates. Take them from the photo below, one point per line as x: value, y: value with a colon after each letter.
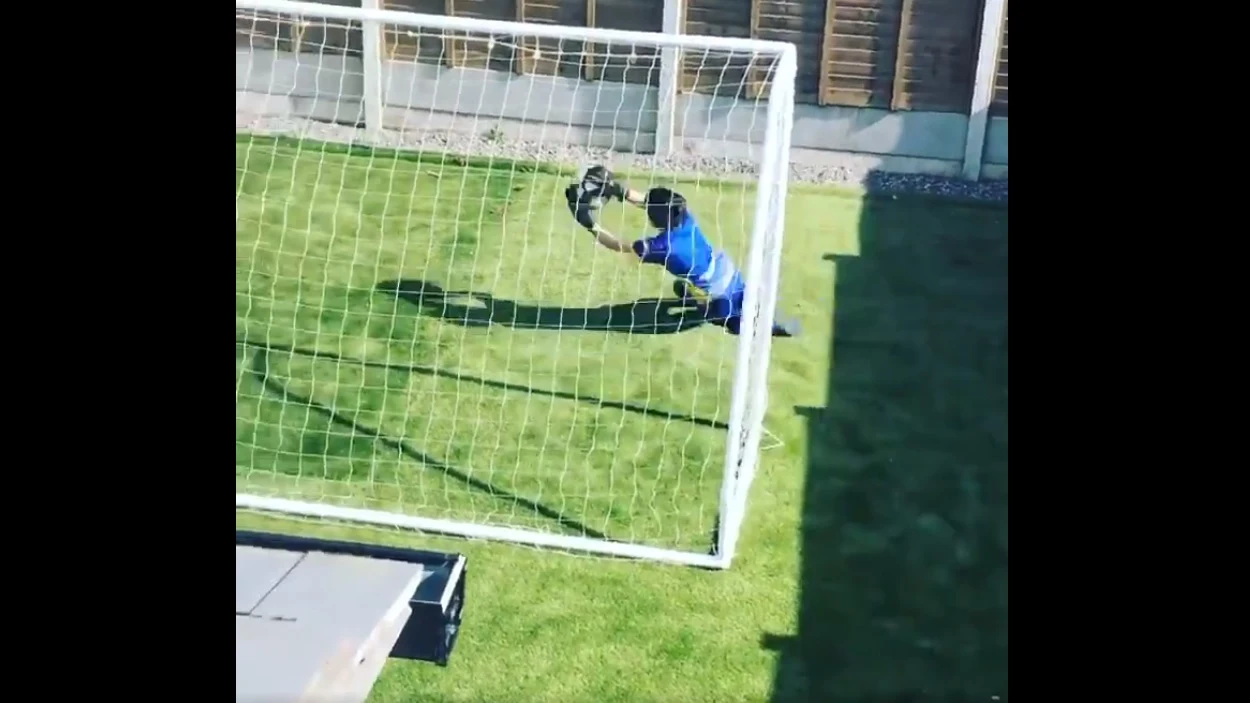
x: 550, y: 57
x: 427, y: 47
x: 719, y: 74
x: 622, y: 63
x: 477, y: 50
x: 936, y: 55
x: 999, y: 106
x: 803, y: 23
x: 895, y: 54
x: 862, y: 49
x: 734, y: 75
x: 265, y: 30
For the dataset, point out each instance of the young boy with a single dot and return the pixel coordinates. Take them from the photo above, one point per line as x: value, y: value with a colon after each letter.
x: 705, y: 275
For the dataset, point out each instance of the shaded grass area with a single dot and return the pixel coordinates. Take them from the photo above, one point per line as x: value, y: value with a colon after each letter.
x: 903, y: 592
x: 873, y: 561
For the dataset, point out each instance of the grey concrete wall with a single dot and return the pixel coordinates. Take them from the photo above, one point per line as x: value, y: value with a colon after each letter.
x: 278, y: 84
x: 616, y: 116
x: 994, y: 160
x: 601, y: 114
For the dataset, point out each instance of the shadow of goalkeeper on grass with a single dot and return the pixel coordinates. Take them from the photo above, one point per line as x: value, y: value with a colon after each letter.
x: 473, y: 309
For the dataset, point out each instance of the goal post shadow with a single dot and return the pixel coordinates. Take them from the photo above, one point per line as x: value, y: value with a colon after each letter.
x: 259, y: 369
x: 452, y: 375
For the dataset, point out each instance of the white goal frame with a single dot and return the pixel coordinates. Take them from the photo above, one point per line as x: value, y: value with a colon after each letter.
x: 750, y: 387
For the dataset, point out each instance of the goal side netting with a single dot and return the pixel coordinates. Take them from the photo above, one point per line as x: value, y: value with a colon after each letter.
x: 425, y: 339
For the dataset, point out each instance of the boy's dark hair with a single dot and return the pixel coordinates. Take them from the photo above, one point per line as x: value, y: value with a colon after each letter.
x: 666, y: 209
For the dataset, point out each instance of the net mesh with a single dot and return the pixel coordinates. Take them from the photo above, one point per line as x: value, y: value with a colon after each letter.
x: 421, y: 326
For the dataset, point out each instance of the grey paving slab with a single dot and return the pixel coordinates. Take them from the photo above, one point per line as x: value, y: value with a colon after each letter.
x: 361, y: 592
x: 257, y: 572
x: 273, y: 661
x: 322, y: 630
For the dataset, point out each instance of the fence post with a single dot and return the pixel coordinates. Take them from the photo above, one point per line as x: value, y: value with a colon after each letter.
x: 983, y: 86
x: 670, y: 72
x: 371, y: 69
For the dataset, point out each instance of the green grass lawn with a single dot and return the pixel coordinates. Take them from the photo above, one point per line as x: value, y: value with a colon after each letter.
x: 872, y: 566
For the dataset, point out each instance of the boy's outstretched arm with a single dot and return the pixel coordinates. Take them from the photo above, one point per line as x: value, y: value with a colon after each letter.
x: 607, y: 240
x: 580, y: 207
x: 626, y: 194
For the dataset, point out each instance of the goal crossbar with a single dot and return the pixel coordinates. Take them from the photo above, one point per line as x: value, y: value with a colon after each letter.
x: 543, y: 31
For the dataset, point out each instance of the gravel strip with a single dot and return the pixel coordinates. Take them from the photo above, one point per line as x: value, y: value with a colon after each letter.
x: 480, y: 146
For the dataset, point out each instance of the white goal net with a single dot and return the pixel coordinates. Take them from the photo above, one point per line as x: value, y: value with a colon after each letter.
x: 426, y: 339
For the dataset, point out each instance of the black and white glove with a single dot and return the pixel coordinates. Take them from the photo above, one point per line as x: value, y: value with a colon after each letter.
x: 580, y: 206
x: 588, y: 195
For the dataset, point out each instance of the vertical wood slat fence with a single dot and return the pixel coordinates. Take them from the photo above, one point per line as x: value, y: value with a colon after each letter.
x: 894, y: 54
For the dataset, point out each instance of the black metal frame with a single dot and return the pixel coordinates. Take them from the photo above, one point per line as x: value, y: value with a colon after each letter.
x: 292, y: 543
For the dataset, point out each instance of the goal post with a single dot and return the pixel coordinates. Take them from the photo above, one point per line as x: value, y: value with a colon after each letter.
x: 423, y: 340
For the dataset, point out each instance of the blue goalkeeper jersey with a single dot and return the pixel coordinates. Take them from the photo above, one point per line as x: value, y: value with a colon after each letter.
x: 686, y: 253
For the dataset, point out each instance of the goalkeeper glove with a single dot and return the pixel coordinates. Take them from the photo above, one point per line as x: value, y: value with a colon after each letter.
x: 579, y: 205
x: 597, y: 185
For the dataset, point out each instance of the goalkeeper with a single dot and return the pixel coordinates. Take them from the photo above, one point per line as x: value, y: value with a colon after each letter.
x: 706, y: 276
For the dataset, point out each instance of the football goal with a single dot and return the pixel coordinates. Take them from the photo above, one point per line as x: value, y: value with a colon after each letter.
x: 427, y: 339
